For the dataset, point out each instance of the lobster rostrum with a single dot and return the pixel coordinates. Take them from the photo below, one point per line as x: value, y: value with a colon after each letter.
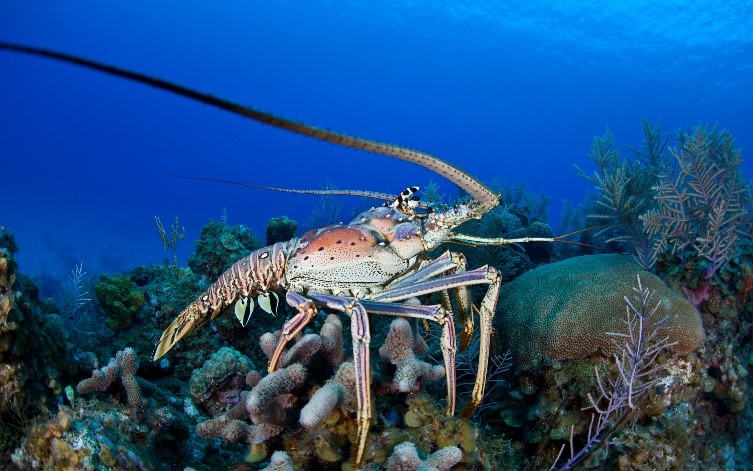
x: 369, y: 266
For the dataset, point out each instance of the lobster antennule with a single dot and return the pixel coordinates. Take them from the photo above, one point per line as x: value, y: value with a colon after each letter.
x: 476, y: 189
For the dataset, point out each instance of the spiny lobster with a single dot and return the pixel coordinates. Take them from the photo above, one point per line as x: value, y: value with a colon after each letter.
x: 367, y: 266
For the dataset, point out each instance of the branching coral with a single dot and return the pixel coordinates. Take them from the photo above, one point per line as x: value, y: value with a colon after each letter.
x: 340, y: 390
x: 316, y: 423
x: 268, y: 405
x: 703, y: 206
x: 124, y: 366
x: 328, y: 345
x: 398, y: 349
x: 625, y: 188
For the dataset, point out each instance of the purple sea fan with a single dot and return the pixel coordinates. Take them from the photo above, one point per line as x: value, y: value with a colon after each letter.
x: 620, y: 394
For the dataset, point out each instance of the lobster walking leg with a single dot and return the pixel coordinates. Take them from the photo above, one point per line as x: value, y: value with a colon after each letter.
x: 430, y: 269
x: 448, y: 343
x: 306, y: 311
x: 361, y: 333
x: 484, y: 275
x: 486, y: 315
x: 450, y: 263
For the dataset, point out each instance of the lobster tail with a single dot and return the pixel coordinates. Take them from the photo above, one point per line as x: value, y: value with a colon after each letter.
x: 476, y: 189
x: 258, y: 275
x: 187, y: 321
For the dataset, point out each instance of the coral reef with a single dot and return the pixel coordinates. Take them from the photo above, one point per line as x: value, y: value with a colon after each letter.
x: 405, y: 458
x: 123, y: 366
x: 685, y: 212
x: 217, y: 384
x: 620, y: 394
x: 210, y: 406
x: 398, y: 349
x: 219, y: 246
x: 281, y: 229
x: 539, y: 252
x: 565, y: 310
x: 9, y: 378
x: 315, y: 423
x: 340, y: 390
x: 625, y: 191
x: 689, y: 203
x: 120, y: 298
x: 502, y: 221
x: 702, y: 204
x: 35, y: 355
x: 85, y: 439
x: 280, y: 461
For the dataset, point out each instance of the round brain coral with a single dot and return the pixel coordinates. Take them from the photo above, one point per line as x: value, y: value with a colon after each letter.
x: 564, y: 310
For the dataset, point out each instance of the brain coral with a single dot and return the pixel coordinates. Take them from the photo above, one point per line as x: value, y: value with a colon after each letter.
x: 564, y: 310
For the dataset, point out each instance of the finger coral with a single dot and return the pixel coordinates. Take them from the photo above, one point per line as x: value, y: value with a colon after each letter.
x: 316, y: 424
x: 398, y: 349
x: 338, y: 391
x: 405, y: 458
x: 124, y: 365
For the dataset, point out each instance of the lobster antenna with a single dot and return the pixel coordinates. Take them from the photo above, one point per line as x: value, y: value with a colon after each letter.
x: 476, y: 189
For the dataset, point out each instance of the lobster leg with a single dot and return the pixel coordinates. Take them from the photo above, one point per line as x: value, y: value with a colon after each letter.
x: 448, y: 343
x: 359, y: 330
x: 486, y: 316
x: 430, y: 269
x: 463, y: 302
x: 450, y: 263
x: 361, y: 333
x: 484, y: 275
x: 306, y: 311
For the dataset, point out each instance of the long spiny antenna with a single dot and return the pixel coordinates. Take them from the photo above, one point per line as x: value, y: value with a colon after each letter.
x: 475, y: 188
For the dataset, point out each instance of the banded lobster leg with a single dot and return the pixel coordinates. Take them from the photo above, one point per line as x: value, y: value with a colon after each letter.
x: 484, y: 275
x: 360, y: 331
x: 448, y: 263
x: 448, y: 343
x: 361, y: 337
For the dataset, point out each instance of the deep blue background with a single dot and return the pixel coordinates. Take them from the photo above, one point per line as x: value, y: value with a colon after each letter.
x: 507, y: 92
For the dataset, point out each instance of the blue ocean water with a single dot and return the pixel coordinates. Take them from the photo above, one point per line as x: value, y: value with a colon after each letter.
x: 509, y: 91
